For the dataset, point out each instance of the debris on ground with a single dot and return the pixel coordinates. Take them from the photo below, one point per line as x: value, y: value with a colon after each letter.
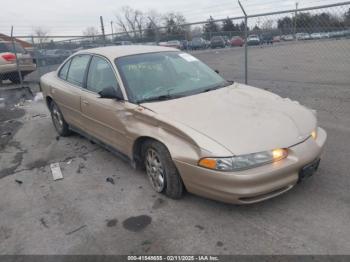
x: 80, y: 167
x: 57, y: 138
x: 38, y: 97
x: 56, y: 171
x: 6, y: 134
x: 69, y: 161
x: 19, y: 181
x: 110, y: 180
x: 75, y: 230
x: 39, y: 115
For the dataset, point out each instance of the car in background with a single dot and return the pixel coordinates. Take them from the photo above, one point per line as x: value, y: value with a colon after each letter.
x: 173, y: 43
x: 236, y: 41
x: 316, y: 36
x: 8, y: 62
x: 276, y: 39
x: 198, y: 43
x: 253, y: 40
x: 217, y: 41
x: 184, y: 45
x: 227, y: 40
x: 287, y: 37
x: 302, y: 36
x: 324, y: 35
x: 266, y: 38
x: 122, y: 43
x: 57, y: 56
x: 156, y: 107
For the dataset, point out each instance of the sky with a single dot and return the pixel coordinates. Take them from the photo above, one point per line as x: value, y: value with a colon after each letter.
x: 72, y: 17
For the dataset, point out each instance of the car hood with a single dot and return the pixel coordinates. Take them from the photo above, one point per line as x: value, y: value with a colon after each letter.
x: 241, y: 118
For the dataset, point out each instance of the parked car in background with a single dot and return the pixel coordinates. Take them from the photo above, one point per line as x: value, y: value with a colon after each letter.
x: 122, y: 43
x: 56, y: 56
x: 276, y: 39
x: 158, y: 113
x: 288, y: 38
x: 253, y: 40
x: 217, y: 41
x: 198, y: 43
x: 302, y: 36
x: 184, y: 45
x: 316, y: 36
x: 174, y: 44
x: 227, y: 40
x: 324, y: 35
x: 236, y: 41
x: 8, y: 63
x: 266, y: 38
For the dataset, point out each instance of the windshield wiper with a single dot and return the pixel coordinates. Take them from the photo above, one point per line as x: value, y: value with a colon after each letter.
x: 158, y: 98
x: 227, y: 83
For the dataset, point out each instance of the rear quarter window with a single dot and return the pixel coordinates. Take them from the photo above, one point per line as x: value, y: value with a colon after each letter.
x: 64, y: 70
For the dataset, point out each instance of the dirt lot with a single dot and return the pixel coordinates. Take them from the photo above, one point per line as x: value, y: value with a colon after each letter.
x: 84, y: 214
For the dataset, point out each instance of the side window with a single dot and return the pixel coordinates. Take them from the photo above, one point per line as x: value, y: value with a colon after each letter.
x: 100, y: 75
x: 77, y: 69
x: 64, y: 70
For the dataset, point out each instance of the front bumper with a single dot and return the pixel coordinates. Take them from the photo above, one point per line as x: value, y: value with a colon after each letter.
x: 256, y: 184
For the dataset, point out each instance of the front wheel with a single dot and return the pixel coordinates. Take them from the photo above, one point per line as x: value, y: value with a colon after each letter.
x: 161, y: 171
x: 59, y: 123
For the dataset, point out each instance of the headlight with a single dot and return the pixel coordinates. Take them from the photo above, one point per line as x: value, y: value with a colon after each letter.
x: 243, y: 161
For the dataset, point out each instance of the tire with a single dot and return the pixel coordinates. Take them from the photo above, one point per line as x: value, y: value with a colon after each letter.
x: 59, y: 123
x: 172, y: 186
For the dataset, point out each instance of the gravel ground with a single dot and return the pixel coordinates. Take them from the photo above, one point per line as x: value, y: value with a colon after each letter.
x: 85, y: 214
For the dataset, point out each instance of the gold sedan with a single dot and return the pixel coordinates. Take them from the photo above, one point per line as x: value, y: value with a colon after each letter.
x: 169, y: 113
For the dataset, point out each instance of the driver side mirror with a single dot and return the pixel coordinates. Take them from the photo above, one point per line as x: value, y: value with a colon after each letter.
x: 111, y: 93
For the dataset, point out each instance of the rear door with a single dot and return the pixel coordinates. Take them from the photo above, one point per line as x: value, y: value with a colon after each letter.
x: 103, y: 118
x: 67, y: 90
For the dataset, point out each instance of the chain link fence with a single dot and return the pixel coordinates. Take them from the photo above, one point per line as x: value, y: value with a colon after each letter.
x: 306, y: 45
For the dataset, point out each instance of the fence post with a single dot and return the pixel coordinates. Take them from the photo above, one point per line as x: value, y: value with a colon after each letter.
x: 17, y: 62
x: 245, y: 44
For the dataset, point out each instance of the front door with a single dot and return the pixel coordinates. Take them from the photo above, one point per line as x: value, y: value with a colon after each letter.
x: 103, y: 118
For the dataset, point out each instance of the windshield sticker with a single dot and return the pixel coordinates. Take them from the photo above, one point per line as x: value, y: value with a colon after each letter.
x: 188, y: 57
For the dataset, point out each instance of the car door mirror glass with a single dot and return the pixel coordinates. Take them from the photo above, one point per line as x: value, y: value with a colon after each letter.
x: 111, y: 93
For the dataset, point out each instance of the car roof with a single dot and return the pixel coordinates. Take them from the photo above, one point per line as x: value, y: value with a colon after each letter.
x: 113, y: 52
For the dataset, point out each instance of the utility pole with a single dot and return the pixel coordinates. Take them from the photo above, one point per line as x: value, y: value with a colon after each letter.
x: 17, y: 62
x: 112, y: 28
x: 245, y: 44
x: 102, y: 28
x: 295, y: 20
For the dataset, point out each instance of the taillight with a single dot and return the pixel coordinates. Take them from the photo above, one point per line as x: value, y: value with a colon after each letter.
x: 9, y: 57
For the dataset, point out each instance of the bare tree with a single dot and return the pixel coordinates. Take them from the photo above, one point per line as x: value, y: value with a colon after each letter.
x: 42, y: 34
x: 131, y: 20
x: 90, y: 31
x: 267, y: 25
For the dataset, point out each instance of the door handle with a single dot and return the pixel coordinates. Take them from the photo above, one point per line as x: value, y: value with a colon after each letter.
x: 85, y: 102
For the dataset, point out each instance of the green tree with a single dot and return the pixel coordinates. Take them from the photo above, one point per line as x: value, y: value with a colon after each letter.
x: 211, y: 26
x: 228, y: 25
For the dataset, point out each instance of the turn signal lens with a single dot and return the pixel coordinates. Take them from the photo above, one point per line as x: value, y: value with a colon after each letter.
x: 314, y: 134
x: 208, y: 163
x: 278, y: 154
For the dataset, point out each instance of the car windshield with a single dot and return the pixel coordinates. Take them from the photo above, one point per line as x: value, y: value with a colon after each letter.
x: 166, y: 75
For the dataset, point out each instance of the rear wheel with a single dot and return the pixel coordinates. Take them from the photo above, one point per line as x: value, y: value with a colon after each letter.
x: 59, y: 123
x: 161, y: 171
